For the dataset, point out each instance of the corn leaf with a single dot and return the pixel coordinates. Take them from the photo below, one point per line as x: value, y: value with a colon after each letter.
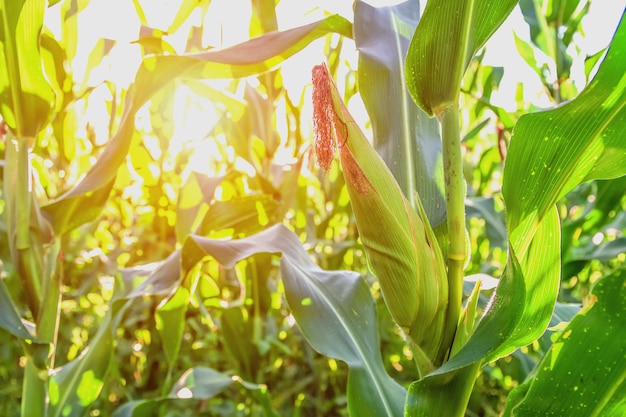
x: 76, y: 385
x: 170, y: 322
x: 449, y: 34
x: 551, y: 152
x: 554, y: 151
x: 404, y: 136
x: 583, y: 373
x: 334, y: 310
x: 84, y: 202
x: 9, y: 318
x: 25, y: 96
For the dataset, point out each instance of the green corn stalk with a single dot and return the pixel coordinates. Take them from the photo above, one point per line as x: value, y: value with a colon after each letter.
x: 400, y: 244
x: 26, y: 104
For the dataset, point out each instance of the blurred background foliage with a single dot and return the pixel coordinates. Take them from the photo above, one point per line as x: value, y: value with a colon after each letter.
x: 229, y: 157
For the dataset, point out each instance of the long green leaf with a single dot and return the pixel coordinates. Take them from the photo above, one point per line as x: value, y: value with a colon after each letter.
x: 83, y: 203
x: 170, y: 322
x: 551, y: 152
x: 25, y: 95
x: 404, y: 136
x: 449, y: 34
x: 546, y: 159
x: 334, y: 309
x: 583, y: 373
x: 76, y: 385
x: 522, y: 305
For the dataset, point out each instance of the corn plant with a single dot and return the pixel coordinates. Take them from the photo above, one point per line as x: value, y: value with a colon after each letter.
x: 421, y: 276
x: 211, y: 271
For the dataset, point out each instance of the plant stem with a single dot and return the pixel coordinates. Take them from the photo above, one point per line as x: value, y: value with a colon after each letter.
x: 455, y: 203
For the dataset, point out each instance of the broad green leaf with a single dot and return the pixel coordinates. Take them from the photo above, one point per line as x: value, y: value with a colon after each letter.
x: 193, y: 200
x: 522, y: 304
x: 334, y: 309
x: 76, y: 385
x: 583, y: 373
x: 449, y: 34
x: 445, y: 395
x: 400, y: 244
x: 404, y: 136
x: 345, y: 307
x: 26, y: 98
x: 551, y: 152
x: 243, y: 215
x: 170, y: 322
x: 83, y: 203
x: 237, y: 329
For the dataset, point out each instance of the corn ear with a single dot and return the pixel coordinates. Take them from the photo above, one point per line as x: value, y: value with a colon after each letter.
x: 401, y: 247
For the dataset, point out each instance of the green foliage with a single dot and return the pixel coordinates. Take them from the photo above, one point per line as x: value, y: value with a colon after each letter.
x: 169, y: 246
x: 592, y: 383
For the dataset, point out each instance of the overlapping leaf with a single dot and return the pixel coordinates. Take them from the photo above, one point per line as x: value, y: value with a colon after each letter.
x: 553, y: 151
x: 583, y: 373
x: 449, y: 34
x: 404, y: 136
x: 400, y: 244
x: 550, y: 153
x: 83, y: 203
x: 334, y: 309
